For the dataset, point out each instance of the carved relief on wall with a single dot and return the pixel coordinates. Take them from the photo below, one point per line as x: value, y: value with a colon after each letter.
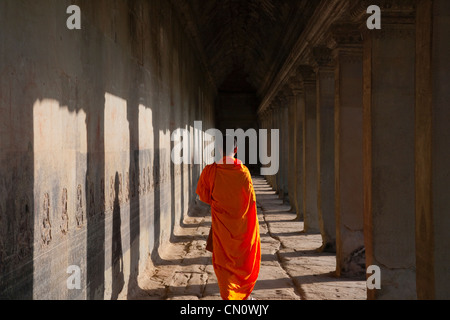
x: 2, y: 230
x: 156, y: 177
x: 127, y: 188
x: 24, y: 237
x: 149, y: 180
x: 102, y: 197
x: 142, y: 182
x: 120, y: 195
x: 133, y: 183
x: 112, y: 194
x: 3, y: 220
x: 79, y: 212
x: 64, y: 227
x: 91, y: 192
x: 46, y: 226
x: 177, y: 169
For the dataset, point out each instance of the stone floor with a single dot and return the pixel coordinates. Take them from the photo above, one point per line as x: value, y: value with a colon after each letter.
x: 291, y: 268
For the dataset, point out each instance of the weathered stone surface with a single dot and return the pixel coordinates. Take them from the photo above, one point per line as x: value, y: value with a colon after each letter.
x: 348, y: 148
x: 85, y: 165
x: 326, y: 148
x: 310, y: 180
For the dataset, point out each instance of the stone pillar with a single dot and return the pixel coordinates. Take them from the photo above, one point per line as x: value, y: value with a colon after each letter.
x: 431, y: 149
x: 273, y: 125
x: 300, y: 150
x: 310, y: 210
x: 325, y: 147
x: 266, y: 126
x: 269, y: 132
x: 284, y: 146
x: 389, y: 88
x: 261, y: 126
x: 292, y: 155
x: 277, y: 120
x: 298, y: 110
x: 348, y: 151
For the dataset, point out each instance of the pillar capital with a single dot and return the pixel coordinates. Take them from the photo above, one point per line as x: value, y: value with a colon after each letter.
x: 295, y: 85
x: 281, y: 100
x: 322, y: 58
x: 288, y: 95
x: 307, y: 75
x: 265, y: 114
x: 287, y: 91
x: 398, y: 20
x: 346, y: 36
x: 262, y: 114
x: 348, y: 43
x: 393, y: 11
x: 273, y: 106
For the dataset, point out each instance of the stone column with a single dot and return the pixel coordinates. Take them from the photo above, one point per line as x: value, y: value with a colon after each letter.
x: 292, y: 156
x: 389, y: 88
x: 431, y: 149
x: 261, y: 125
x: 273, y: 125
x: 310, y: 210
x: 267, y: 127
x: 325, y: 147
x: 276, y: 115
x: 348, y: 151
x: 284, y: 144
x: 298, y: 106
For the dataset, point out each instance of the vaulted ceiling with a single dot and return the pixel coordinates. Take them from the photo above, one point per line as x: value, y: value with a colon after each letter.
x: 245, y: 42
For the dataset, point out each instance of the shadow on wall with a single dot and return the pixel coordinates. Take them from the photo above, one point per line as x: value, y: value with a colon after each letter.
x: 117, y: 280
x: 70, y: 194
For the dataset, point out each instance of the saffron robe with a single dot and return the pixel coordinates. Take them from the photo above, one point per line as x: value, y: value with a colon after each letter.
x: 228, y: 189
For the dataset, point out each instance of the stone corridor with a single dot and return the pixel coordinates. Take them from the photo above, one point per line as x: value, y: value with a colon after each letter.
x: 292, y: 268
x: 107, y: 109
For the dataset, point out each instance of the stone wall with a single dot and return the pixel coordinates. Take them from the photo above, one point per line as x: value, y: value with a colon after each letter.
x: 85, y: 137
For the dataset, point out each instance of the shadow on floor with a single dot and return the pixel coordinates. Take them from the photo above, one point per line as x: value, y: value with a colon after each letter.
x: 286, y: 273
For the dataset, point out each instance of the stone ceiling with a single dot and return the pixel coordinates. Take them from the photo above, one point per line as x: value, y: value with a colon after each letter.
x: 245, y: 42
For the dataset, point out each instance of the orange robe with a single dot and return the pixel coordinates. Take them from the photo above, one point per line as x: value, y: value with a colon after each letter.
x: 236, y: 238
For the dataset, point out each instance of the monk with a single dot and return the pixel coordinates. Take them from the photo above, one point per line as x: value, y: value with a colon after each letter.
x: 228, y: 188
